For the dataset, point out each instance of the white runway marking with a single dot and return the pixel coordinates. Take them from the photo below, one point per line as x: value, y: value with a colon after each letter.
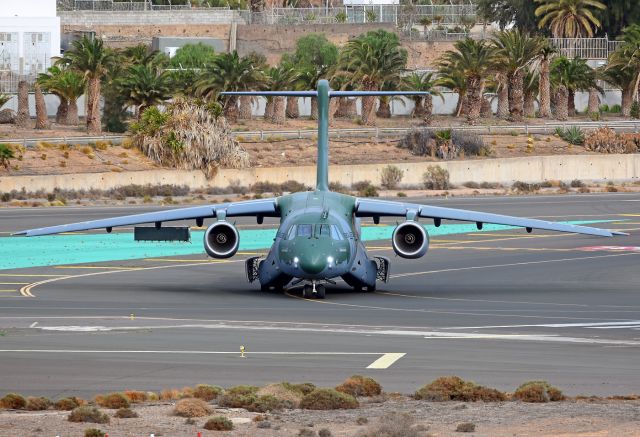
x: 385, y: 361
x: 557, y: 325
x: 33, y: 325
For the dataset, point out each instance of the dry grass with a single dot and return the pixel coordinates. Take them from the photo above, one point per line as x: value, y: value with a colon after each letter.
x: 218, y: 423
x: 13, y: 401
x: 394, y: 424
x: 93, y: 432
x: 88, y: 414
x: 328, y: 399
x: 240, y: 396
x: 284, y: 393
x: 113, y: 401
x: 454, y: 388
x: 191, y: 407
x: 466, y: 427
x: 68, y: 404
x: 538, y: 391
x: 358, y: 385
x: 171, y: 394
x: 38, y: 403
x: 136, y: 396
x: 126, y: 413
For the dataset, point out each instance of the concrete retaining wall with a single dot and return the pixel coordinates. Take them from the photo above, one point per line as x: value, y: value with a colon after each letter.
x: 621, y: 168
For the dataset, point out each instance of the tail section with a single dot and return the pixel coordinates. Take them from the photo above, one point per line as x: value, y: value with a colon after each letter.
x: 323, y: 94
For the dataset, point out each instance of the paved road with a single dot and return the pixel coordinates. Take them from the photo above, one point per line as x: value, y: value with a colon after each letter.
x: 496, y: 307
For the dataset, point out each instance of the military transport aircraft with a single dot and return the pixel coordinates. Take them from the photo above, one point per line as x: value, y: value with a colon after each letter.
x: 318, y: 239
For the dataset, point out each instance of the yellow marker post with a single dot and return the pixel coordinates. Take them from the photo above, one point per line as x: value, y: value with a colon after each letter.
x: 132, y: 316
x: 242, y: 352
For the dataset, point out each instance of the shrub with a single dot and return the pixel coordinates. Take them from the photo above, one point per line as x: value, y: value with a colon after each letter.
x: 635, y: 109
x: 572, y: 135
x: 240, y: 396
x: 390, y: 177
x: 206, y: 392
x: 218, y: 423
x: 266, y: 403
x: 93, y: 432
x: 538, y: 391
x: 88, y: 414
x: 606, y: 140
x: 126, y: 413
x: 191, y: 407
x: 328, y: 399
x: 454, y: 388
x: 6, y: 155
x: 577, y: 183
x: 362, y: 420
x: 436, y: 178
x: 394, y: 424
x: 136, y: 396
x: 324, y: 432
x: 615, y: 109
x: 304, y: 388
x: 292, y: 187
x: 13, y: 401
x: 38, y: 403
x: 466, y: 427
x: 420, y: 142
x: 113, y: 401
x: 358, y: 385
x: 365, y: 189
x: 469, y: 143
x: 67, y: 404
x: 288, y: 394
x: 524, y: 187
x: 401, y: 194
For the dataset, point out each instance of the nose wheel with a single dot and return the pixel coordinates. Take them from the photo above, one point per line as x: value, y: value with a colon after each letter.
x: 313, y: 290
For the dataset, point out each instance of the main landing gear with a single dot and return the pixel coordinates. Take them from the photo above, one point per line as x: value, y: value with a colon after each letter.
x: 313, y: 290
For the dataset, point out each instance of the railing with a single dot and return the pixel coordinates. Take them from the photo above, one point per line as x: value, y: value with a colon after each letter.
x: 123, y: 5
x: 9, y: 81
x: 585, y: 48
x: 373, y: 132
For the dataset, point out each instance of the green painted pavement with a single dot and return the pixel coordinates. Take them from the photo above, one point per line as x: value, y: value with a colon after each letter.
x: 22, y: 252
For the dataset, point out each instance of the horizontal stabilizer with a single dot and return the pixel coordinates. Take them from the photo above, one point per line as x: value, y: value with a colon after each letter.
x: 332, y: 93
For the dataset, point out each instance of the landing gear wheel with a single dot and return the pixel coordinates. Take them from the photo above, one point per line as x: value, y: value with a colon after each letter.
x: 307, y: 291
x: 371, y: 289
x: 320, y: 291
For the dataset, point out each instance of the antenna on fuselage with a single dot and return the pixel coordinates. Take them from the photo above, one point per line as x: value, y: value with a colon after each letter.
x: 323, y: 94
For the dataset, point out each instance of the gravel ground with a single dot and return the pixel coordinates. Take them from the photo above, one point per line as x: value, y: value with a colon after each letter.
x: 568, y: 418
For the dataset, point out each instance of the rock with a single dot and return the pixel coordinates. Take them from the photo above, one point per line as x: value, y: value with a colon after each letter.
x: 7, y: 116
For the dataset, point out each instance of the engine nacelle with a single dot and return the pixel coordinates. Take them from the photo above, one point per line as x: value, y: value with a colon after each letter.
x: 221, y: 240
x: 410, y: 240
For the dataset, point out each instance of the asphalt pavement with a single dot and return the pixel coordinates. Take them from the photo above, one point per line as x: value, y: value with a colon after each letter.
x: 497, y: 307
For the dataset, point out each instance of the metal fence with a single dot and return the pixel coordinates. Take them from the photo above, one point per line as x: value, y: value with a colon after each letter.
x: 586, y: 48
x: 9, y: 81
x: 123, y: 5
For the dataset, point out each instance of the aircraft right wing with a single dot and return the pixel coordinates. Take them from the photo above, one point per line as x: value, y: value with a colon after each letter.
x: 260, y: 207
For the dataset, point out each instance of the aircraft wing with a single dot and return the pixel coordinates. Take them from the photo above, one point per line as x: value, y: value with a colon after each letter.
x: 373, y: 208
x: 260, y: 207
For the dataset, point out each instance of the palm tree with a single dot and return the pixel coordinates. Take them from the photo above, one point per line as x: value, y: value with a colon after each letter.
x: 502, y: 90
x: 23, y: 116
x: 562, y: 99
x: 92, y: 59
x: 569, y: 18
x: 515, y: 51
x: 546, y: 55
x: 230, y: 72
x: 369, y: 61
x: 473, y: 60
x: 422, y: 105
x: 259, y: 62
x: 622, y: 77
x: 627, y: 57
x: 68, y: 85
x: 531, y: 87
x: 281, y: 78
x: 454, y: 80
x: 384, y: 108
x: 576, y: 75
x: 42, y: 120
x: 145, y: 85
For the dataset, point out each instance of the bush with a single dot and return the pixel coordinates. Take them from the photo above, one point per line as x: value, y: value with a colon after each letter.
x: 394, y: 424
x: 635, y: 109
x: 38, y: 403
x: 67, y: 404
x: 454, y: 388
x: 218, y: 423
x: 191, y: 407
x: 606, y: 140
x: 469, y: 143
x: 436, y: 178
x: 538, y: 391
x: 615, y: 109
x: 93, y: 432
x: 88, y: 414
x: 572, y: 135
x: 524, y: 187
x: 288, y: 394
x: 206, y: 392
x: 358, y: 385
x: 390, y: 177
x: 365, y: 189
x: 136, y: 396
x: 126, y: 413
x: 328, y: 399
x: 466, y: 427
x: 420, y: 142
x: 113, y: 401
x: 266, y: 403
x: 13, y: 401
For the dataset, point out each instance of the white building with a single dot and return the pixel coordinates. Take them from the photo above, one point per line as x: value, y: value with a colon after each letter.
x: 29, y: 36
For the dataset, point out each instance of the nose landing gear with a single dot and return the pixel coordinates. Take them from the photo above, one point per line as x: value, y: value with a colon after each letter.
x: 313, y: 290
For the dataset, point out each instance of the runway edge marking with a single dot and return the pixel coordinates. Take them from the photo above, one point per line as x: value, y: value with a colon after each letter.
x: 386, y: 361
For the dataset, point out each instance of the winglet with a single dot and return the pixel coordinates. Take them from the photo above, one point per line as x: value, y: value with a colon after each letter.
x: 619, y: 233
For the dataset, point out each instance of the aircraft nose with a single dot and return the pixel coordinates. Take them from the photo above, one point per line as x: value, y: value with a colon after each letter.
x: 312, y: 264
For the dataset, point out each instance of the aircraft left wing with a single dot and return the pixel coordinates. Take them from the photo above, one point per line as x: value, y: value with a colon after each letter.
x: 379, y: 208
x: 260, y: 207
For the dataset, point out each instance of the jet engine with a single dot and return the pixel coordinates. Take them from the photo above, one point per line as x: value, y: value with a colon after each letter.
x: 410, y: 240
x: 221, y: 240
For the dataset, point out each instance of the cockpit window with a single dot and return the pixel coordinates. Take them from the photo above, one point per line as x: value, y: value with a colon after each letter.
x: 335, y: 233
x: 305, y: 231
x: 292, y: 232
x: 322, y: 231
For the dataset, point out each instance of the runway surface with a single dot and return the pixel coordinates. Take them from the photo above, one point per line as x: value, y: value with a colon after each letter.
x: 499, y: 307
